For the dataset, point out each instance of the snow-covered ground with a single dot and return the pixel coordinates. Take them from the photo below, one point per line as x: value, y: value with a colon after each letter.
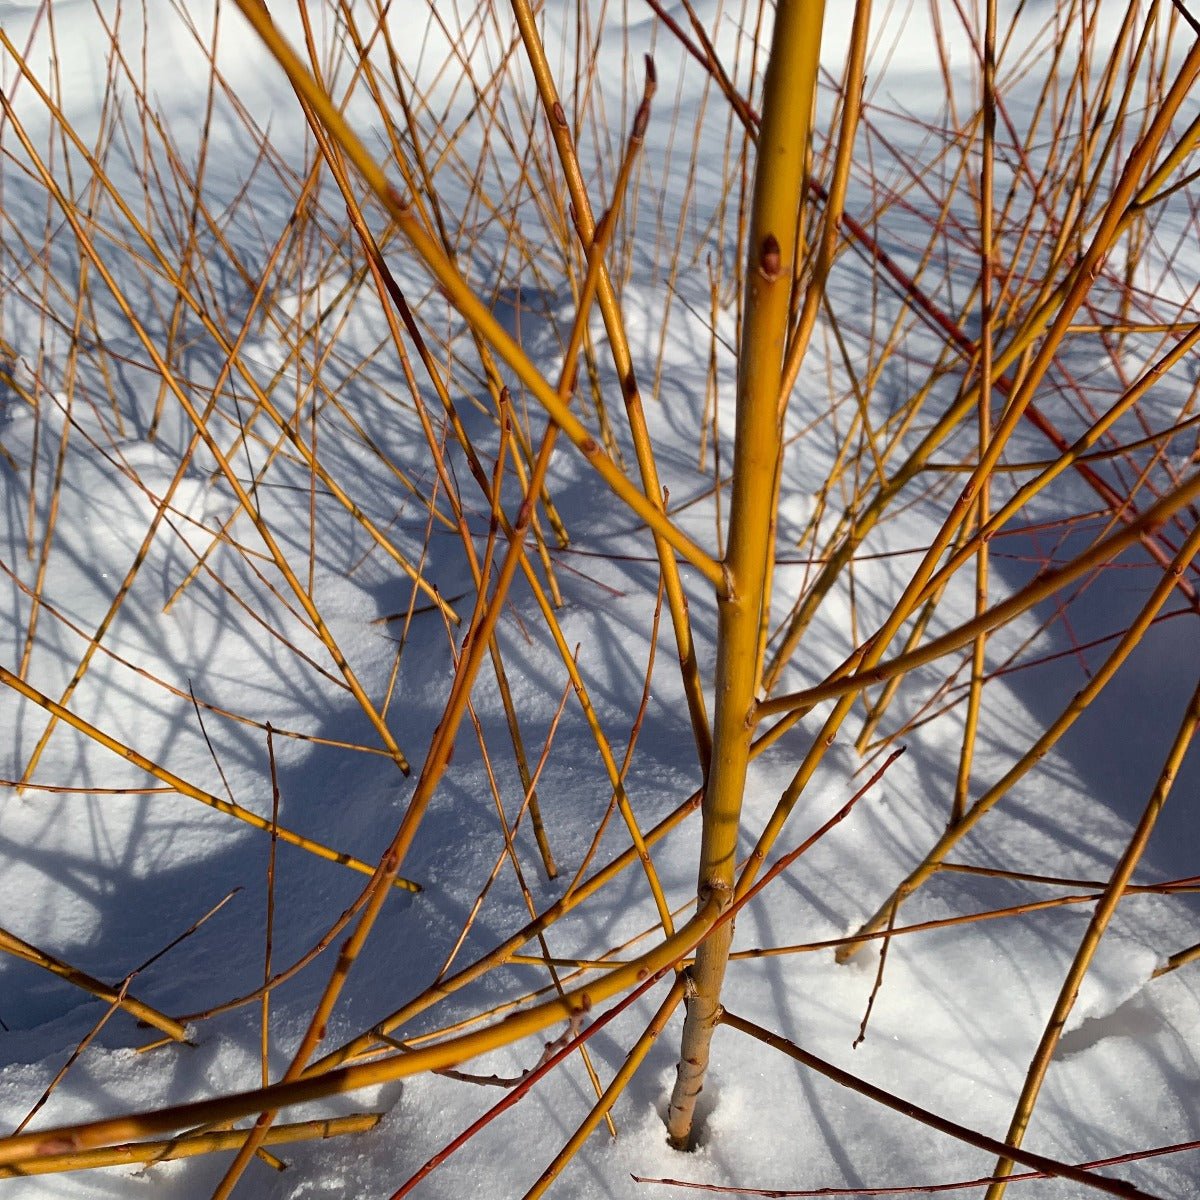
x: 103, y: 874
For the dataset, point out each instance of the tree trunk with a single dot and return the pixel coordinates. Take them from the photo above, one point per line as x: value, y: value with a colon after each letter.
x: 778, y: 193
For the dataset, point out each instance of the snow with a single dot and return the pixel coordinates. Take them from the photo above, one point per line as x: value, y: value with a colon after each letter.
x: 104, y: 881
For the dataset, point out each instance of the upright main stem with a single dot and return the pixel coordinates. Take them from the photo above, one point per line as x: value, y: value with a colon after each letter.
x: 789, y: 90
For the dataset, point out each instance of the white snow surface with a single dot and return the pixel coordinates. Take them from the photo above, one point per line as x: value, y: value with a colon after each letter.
x: 104, y: 881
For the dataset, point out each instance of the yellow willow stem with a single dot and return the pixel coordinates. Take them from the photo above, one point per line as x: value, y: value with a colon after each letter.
x: 1179, y: 959
x: 814, y: 293
x: 962, y: 785
x: 470, y: 306
x: 894, y: 931
x: 877, y: 709
x: 619, y: 1082
x: 113, y: 1131
x: 19, y: 948
x: 614, y: 773
x: 835, y: 203
x: 790, y: 86
x: 183, y: 787
x: 1102, y: 915
x: 614, y: 325
x: 188, y: 1146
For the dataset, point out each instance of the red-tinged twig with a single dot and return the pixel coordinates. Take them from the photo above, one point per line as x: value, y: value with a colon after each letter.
x: 269, y: 931
x: 1112, y: 1187
x: 842, y: 813
x: 916, y: 1188
x: 883, y: 953
x: 1187, y: 885
x: 549, y: 1050
x: 531, y: 1077
x: 1182, y: 10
